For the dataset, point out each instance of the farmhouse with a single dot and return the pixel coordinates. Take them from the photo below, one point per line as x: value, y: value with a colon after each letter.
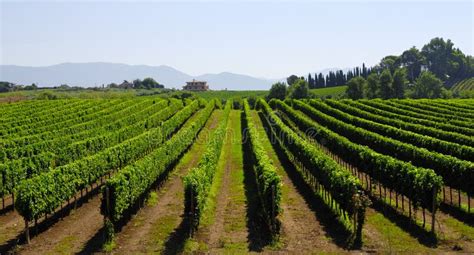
x: 196, y: 86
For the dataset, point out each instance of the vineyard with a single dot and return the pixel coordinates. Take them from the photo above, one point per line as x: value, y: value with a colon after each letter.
x: 151, y: 174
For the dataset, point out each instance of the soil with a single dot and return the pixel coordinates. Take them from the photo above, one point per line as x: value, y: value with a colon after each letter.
x: 153, y: 226
x: 301, y: 227
x: 69, y: 235
x: 228, y: 229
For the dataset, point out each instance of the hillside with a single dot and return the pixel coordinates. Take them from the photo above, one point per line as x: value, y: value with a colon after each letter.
x: 467, y: 84
x: 98, y: 73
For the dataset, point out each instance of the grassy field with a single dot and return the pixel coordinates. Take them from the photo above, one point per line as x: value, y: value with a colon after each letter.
x: 464, y: 88
x: 333, y: 92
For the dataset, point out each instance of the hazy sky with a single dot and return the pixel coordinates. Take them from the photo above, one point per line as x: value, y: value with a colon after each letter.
x: 264, y: 39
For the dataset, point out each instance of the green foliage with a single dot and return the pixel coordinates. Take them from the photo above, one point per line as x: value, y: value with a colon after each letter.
x: 373, y: 86
x: 292, y: 79
x: 412, y: 60
x: 150, y: 83
x: 268, y: 181
x: 45, y: 192
x: 424, y: 127
x: 355, y: 88
x: 299, y: 89
x: 330, y: 92
x: 396, y: 174
x: 6, y: 86
x: 350, y: 116
x: 455, y: 172
x: 128, y: 186
x: 344, y: 188
x: 399, y: 83
x: 385, y: 81
x: 427, y: 86
x: 197, y: 184
x: 407, y: 114
x: 46, y: 96
x: 278, y: 91
x: 447, y: 63
x: 438, y: 53
x: 390, y: 63
x: 464, y: 88
x: 65, y: 149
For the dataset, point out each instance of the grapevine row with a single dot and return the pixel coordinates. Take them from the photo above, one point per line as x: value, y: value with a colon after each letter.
x: 72, y: 126
x: 416, y: 183
x: 440, y: 116
x: 447, y: 124
x: 422, y: 106
x: 344, y: 189
x: 85, y: 130
x: 43, y: 193
x: 268, y: 181
x: 25, y: 168
x: 419, y: 129
x: 198, y: 182
x: 123, y: 190
x: 12, y: 128
x: 456, y: 173
x: 443, y: 127
x: 70, y: 121
x: 449, y: 106
x: 41, y: 107
x: 433, y: 144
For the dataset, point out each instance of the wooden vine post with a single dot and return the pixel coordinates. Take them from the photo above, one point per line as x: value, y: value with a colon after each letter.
x: 191, y: 218
x: 433, y: 214
x: 27, y: 232
x: 107, y: 201
x: 273, y: 209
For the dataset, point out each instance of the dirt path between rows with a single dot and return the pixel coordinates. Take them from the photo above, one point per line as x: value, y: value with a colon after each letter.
x: 11, y: 225
x: 386, y: 231
x: 69, y: 234
x: 79, y: 232
x: 152, y: 227
x: 227, y: 233
x: 301, y: 231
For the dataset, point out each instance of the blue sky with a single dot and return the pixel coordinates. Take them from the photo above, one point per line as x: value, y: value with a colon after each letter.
x: 263, y: 39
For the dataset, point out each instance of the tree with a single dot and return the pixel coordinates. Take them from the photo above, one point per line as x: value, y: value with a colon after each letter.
x: 299, y: 89
x: 399, y: 82
x: 412, y: 60
x: 355, y: 87
x: 438, y: 53
x: 31, y: 87
x: 427, y: 86
x: 386, y: 90
x: 365, y: 72
x: 137, y: 84
x: 150, y: 83
x: 390, y: 62
x: 373, y: 86
x: 292, y: 79
x: 278, y: 90
x: 321, y: 81
x: 6, y: 86
x: 311, y: 82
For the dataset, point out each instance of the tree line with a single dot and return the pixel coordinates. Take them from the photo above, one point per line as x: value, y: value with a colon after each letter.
x: 425, y: 73
x: 332, y: 79
x: 147, y: 83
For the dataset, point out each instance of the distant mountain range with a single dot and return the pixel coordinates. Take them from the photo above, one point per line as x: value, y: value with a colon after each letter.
x: 98, y: 73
